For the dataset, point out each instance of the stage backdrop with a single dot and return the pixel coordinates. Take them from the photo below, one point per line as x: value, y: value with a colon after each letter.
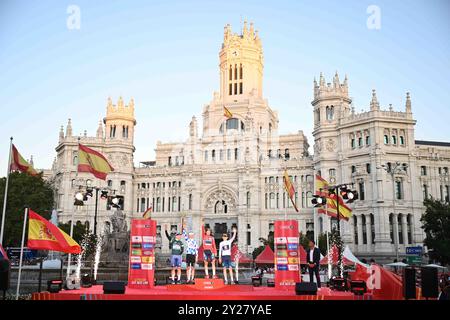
x: 141, y: 269
x: 287, y: 254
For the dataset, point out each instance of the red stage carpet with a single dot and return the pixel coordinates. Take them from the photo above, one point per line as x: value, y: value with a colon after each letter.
x: 186, y: 292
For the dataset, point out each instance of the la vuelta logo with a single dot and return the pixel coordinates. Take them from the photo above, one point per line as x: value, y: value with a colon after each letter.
x: 374, y: 279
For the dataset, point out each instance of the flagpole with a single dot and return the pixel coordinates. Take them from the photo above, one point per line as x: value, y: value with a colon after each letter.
x: 21, y: 251
x: 5, y: 197
x: 69, y: 257
x: 330, y: 266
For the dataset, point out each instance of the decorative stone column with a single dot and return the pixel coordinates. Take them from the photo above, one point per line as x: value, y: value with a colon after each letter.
x: 360, y: 233
x: 395, y: 231
x: 369, y: 233
x: 404, y: 229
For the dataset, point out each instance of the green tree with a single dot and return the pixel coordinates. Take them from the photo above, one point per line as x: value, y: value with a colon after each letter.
x: 323, y: 243
x: 24, y: 190
x: 82, y: 235
x: 436, y: 225
x: 79, y: 230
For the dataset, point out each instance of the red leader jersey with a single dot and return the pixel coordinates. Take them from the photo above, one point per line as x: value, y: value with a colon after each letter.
x: 208, y: 242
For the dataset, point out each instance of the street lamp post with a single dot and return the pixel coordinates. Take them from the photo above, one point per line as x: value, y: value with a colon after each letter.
x: 392, y: 170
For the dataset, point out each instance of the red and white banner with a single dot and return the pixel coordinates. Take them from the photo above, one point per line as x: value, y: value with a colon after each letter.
x: 287, y: 254
x: 141, y: 269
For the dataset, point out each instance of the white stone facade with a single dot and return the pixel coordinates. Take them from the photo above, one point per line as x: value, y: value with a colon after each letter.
x: 230, y: 173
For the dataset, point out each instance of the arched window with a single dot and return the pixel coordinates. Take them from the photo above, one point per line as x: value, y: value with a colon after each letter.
x: 235, y: 72
x: 75, y: 158
x: 364, y: 229
x: 190, y: 202
x: 213, y: 155
x: 394, y: 139
x: 308, y: 198
x: 272, y: 201
x: 330, y: 113
x: 355, y: 229
x: 232, y: 124
x: 386, y: 139
x: 409, y: 224
x: 402, y: 140
x: 240, y: 72
x: 286, y: 154
x: 230, y: 73
x: 367, y: 140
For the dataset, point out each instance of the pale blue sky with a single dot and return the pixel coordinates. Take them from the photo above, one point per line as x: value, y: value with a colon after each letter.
x: 164, y: 54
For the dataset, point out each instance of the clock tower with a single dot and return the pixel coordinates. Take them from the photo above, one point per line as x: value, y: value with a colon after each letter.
x: 241, y: 65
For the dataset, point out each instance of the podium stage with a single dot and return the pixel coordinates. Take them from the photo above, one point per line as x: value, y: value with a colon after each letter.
x: 199, y: 291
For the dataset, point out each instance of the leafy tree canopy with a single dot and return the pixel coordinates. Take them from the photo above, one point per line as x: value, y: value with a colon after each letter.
x: 436, y: 225
x: 24, y: 190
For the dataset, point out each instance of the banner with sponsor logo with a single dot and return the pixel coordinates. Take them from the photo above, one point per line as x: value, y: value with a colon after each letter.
x: 287, y: 254
x: 142, y: 253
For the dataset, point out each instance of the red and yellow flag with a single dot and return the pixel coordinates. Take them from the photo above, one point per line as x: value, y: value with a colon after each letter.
x: 44, y: 235
x: 148, y: 213
x: 94, y: 162
x: 289, y: 188
x: 20, y: 164
x: 331, y: 208
x: 227, y: 113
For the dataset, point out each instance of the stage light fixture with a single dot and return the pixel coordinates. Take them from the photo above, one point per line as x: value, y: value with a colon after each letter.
x: 318, y: 201
x: 79, y: 197
x: 104, y: 194
x: 86, y: 281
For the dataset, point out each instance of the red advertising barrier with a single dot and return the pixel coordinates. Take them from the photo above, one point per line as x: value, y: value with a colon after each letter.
x: 287, y: 254
x: 141, y: 269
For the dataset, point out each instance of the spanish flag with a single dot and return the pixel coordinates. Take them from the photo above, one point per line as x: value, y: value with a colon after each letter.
x: 289, y: 188
x: 148, y: 213
x: 20, y: 164
x: 94, y: 162
x: 331, y: 209
x: 344, y: 211
x: 44, y: 235
x: 227, y: 113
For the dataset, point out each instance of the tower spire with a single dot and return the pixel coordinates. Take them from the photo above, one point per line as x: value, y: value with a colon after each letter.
x: 61, y: 133
x: 321, y: 80
x: 100, y: 129
x: 374, y: 105
x: 408, y: 103
x: 69, y: 128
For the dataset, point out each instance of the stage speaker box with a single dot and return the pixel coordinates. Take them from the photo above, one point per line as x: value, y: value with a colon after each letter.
x: 409, y: 283
x: 114, y: 287
x: 429, y: 282
x: 306, y: 288
x: 358, y: 287
x: 5, y: 273
x: 54, y: 286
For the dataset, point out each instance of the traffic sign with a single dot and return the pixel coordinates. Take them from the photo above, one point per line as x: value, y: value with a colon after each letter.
x: 414, y: 250
x: 414, y: 259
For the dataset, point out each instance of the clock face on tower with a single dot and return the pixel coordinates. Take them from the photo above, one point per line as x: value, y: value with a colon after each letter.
x: 235, y: 53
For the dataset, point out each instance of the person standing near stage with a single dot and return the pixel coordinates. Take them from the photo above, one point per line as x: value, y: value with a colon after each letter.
x: 225, y: 255
x: 177, y: 248
x: 191, y: 254
x: 313, y: 258
x: 209, y: 251
x: 236, y: 257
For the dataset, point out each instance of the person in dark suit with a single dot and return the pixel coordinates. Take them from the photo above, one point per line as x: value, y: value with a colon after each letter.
x: 313, y: 259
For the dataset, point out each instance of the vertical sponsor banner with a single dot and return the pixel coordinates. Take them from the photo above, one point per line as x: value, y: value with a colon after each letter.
x: 141, y: 269
x: 287, y: 254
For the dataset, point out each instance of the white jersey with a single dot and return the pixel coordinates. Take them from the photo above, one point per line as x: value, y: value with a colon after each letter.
x: 225, y: 247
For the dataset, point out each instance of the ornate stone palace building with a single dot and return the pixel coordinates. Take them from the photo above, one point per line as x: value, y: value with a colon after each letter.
x: 230, y: 173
